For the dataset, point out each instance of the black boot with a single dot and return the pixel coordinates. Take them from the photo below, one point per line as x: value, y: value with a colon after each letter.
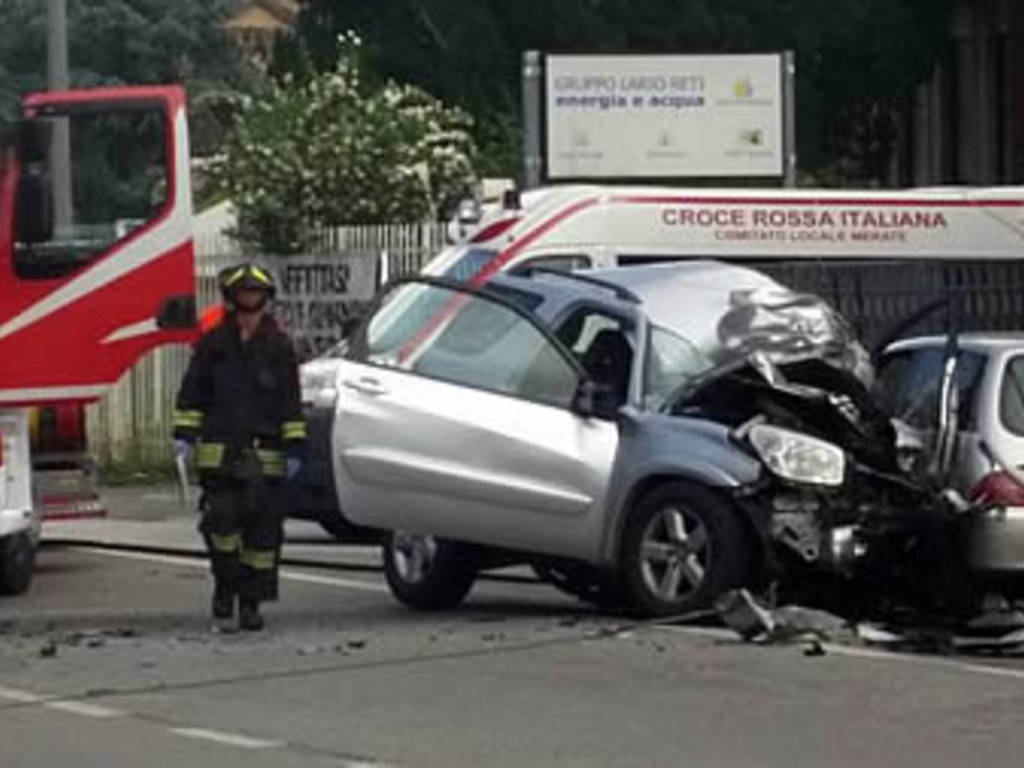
x: 223, y: 610
x: 249, y: 618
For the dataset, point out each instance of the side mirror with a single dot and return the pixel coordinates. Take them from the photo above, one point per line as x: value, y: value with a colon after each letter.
x: 177, y: 312
x: 595, y: 400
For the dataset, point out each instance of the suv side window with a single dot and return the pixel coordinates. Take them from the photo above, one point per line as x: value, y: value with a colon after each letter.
x: 468, y: 339
x: 116, y: 182
x: 909, y: 384
x: 600, y: 342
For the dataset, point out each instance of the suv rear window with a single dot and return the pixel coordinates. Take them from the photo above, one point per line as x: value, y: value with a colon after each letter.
x: 909, y: 383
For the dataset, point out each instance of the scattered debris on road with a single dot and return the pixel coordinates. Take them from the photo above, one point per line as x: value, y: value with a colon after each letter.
x: 48, y: 649
x: 997, y: 631
x: 755, y: 622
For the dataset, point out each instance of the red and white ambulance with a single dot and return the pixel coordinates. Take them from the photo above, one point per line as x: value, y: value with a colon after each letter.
x: 591, y: 226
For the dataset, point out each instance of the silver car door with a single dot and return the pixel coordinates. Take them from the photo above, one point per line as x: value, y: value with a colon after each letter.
x: 456, y: 418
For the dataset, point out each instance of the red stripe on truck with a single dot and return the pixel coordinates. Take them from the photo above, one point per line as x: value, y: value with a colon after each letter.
x: 837, y: 201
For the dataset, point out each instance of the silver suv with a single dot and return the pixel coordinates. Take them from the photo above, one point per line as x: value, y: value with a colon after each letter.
x: 601, y: 427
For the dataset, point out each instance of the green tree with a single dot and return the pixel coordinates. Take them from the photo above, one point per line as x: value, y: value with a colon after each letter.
x: 135, y: 42
x: 331, y: 151
x: 857, y: 60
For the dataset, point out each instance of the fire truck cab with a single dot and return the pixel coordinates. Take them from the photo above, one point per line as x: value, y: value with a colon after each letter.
x: 96, y: 266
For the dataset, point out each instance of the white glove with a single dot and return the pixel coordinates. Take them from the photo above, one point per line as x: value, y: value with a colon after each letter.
x: 292, y: 467
x: 182, y: 449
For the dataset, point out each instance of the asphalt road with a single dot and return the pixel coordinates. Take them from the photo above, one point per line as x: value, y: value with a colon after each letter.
x: 108, y: 662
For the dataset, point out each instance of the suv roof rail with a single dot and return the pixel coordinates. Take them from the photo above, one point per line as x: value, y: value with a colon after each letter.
x: 623, y: 293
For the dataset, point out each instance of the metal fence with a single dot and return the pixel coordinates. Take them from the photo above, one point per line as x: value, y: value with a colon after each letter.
x: 876, y: 297
x: 131, y: 426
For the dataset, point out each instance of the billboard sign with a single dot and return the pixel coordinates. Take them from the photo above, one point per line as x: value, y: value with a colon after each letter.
x: 659, y: 116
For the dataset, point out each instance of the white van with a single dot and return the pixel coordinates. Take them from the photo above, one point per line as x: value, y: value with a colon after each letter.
x: 592, y: 226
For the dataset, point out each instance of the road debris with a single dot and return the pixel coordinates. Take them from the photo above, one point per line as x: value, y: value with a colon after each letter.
x: 814, y: 648
x: 757, y: 623
x: 998, y: 630
x: 48, y: 650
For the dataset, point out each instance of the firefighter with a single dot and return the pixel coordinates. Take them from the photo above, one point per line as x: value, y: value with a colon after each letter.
x: 239, y: 410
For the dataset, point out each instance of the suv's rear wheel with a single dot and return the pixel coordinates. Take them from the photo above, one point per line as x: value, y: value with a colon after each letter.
x: 427, y: 573
x: 17, y: 561
x: 683, y: 546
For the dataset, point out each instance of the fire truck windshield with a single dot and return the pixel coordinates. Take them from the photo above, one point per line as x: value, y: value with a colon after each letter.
x: 110, y: 179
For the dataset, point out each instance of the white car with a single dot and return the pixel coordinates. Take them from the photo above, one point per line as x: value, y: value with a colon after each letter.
x: 989, y: 451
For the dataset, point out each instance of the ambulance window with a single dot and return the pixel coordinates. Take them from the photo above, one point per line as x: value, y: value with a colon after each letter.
x: 470, y: 263
x: 116, y: 181
x: 562, y: 262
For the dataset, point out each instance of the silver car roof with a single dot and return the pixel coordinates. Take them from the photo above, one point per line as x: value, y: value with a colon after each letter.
x: 976, y: 341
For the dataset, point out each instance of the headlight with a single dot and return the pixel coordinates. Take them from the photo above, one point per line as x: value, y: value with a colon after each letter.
x: 798, y: 457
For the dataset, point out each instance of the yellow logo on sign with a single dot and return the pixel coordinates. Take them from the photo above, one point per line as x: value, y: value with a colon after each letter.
x: 743, y: 89
x: 753, y: 137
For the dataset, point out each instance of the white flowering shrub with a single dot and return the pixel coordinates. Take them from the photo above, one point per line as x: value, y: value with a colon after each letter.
x: 330, y: 152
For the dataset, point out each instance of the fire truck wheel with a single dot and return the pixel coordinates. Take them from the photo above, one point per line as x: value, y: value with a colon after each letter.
x: 17, y: 560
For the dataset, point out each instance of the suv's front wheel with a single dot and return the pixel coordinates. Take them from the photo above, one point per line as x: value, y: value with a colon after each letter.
x: 683, y: 547
x: 427, y: 573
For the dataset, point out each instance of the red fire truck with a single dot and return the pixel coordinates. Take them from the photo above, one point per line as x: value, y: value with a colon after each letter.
x: 96, y: 268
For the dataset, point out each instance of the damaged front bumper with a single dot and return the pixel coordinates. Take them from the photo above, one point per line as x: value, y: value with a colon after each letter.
x: 811, y: 528
x: 841, y: 530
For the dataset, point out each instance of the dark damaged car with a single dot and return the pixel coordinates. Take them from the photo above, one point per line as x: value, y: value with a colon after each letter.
x: 648, y: 436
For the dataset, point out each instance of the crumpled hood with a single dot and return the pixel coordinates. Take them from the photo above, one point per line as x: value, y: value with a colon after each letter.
x: 730, y: 312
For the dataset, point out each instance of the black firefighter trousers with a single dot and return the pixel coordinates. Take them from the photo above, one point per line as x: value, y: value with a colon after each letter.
x: 241, y: 523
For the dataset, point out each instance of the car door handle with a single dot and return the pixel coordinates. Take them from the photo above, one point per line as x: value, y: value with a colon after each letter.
x: 366, y: 386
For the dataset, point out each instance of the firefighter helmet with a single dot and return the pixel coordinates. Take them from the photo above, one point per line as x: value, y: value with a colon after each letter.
x: 245, y: 277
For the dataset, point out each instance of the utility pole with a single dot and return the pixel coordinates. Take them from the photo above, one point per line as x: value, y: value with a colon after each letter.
x: 57, y: 74
x: 533, y: 161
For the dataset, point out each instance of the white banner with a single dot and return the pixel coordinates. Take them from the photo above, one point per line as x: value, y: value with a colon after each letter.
x: 318, y: 295
x: 664, y: 116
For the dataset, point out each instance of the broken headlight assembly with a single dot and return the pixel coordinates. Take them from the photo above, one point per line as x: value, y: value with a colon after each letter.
x: 797, y: 457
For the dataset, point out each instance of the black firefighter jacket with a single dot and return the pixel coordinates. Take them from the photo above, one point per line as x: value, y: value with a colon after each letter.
x: 239, y: 395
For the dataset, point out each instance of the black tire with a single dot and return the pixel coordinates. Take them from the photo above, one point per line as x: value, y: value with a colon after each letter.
x: 17, y: 561
x: 712, y: 557
x: 443, y: 580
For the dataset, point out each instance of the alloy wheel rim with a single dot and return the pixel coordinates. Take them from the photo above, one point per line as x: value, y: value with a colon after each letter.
x: 414, y: 555
x: 674, y: 554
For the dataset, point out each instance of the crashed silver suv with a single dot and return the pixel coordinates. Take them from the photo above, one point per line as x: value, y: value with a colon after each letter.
x: 650, y: 435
